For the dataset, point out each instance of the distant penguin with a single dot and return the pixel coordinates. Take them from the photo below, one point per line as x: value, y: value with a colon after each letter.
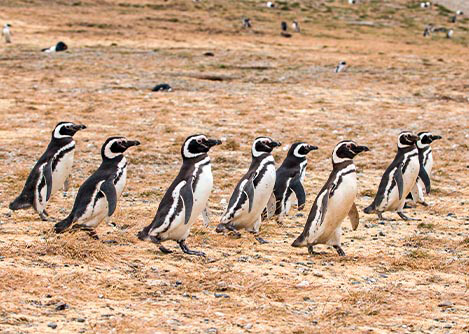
x: 60, y: 46
x: 449, y: 33
x: 162, y: 88
x: 340, y: 67
x: 459, y: 12
x: 334, y: 201
x: 186, y: 198
x: 98, y: 195
x: 51, y: 170
x: 426, y: 166
x: 296, y: 26
x: 428, y: 30
x: 352, y: 2
x: 453, y: 19
x: 270, y: 4
x: 6, y: 32
x: 253, y: 191
x: 246, y: 22
x: 284, y: 26
x: 398, y: 179
x: 289, y: 179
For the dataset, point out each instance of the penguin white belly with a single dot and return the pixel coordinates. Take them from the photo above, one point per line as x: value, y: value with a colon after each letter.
x: 62, y: 171
x: 338, y: 207
x: 409, y: 179
x: 202, y: 192
x: 262, y: 194
x: 429, y: 164
x: 178, y: 230
x: 122, y: 171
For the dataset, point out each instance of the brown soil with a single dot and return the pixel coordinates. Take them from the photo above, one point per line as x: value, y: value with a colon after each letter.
x: 394, y: 275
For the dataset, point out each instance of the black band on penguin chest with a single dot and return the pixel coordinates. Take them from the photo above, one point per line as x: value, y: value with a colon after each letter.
x: 60, y: 156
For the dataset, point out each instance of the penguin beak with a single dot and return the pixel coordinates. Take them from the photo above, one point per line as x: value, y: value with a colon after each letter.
x: 273, y: 144
x: 435, y: 137
x: 360, y: 149
x: 78, y: 127
x: 130, y: 143
x: 310, y: 148
x: 213, y: 142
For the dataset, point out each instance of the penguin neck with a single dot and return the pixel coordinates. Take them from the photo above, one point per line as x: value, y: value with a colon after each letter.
x: 259, y: 158
x: 113, y: 161
x: 193, y: 161
x: 292, y: 161
x: 342, y: 164
x: 407, y: 149
x: 60, y: 142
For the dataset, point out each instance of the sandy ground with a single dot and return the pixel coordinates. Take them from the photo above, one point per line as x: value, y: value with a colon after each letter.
x: 397, y: 276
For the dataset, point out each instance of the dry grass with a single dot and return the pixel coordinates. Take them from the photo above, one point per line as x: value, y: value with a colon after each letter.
x: 257, y: 83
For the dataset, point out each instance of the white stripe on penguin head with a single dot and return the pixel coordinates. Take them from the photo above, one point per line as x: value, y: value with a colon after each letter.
x: 188, y: 154
x: 57, y: 129
x: 335, y: 158
x: 107, y: 149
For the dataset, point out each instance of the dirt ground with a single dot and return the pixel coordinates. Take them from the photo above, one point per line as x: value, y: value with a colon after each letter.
x: 397, y: 276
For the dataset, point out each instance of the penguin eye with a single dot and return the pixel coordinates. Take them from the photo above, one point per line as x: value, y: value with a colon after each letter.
x: 265, y: 142
x: 199, y: 141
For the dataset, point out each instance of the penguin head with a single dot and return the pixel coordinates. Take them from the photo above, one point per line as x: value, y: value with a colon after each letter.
x: 300, y: 150
x: 263, y: 145
x: 116, y: 146
x: 61, y: 46
x: 7, y: 25
x: 197, y: 145
x: 346, y: 150
x: 66, y: 129
x: 425, y: 139
x: 406, y: 139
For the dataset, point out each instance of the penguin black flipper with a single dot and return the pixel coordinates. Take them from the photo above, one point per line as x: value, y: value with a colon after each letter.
x: 187, y: 197
x: 47, y: 172
x: 399, y: 181
x: 109, y: 190
x: 249, y: 190
x: 423, y: 175
x: 353, y: 216
x: 299, y: 191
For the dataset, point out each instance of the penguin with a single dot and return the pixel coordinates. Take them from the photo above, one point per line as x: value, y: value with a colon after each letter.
x: 186, y: 198
x: 283, y: 26
x: 253, y: 191
x: 399, y: 178
x: 247, y: 23
x: 334, y: 201
x: 428, y: 30
x: 453, y: 19
x: 51, y: 171
x: 6, y: 32
x: 459, y: 12
x: 340, y: 67
x: 296, y: 26
x: 60, y: 46
x: 449, y: 33
x: 98, y: 195
x: 270, y: 4
x: 289, y: 180
x: 426, y: 165
x: 162, y: 88
x: 352, y: 2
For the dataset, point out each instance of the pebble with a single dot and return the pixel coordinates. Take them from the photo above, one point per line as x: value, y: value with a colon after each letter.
x: 248, y: 326
x: 100, y: 296
x: 302, y: 284
x: 52, y: 325
x: 445, y: 303
x: 381, y: 233
x: 178, y: 283
x: 383, y: 275
x: 61, y: 306
x: 80, y: 320
x: 212, y: 330
x: 221, y: 295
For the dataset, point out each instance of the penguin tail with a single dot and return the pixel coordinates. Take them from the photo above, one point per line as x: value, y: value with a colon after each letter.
x: 300, y: 241
x: 61, y: 226
x: 370, y: 209
x: 21, y: 202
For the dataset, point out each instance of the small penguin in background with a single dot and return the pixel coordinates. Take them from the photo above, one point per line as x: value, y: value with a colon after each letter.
x: 340, y: 67
x: 449, y: 33
x: 289, y: 180
x: 247, y: 23
x: 399, y: 178
x: 352, y: 2
x: 98, y: 195
x: 428, y: 30
x: 459, y: 12
x: 253, y: 191
x: 186, y: 198
x: 6, y: 32
x: 162, y: 88
x: 296, y: 26
x: 334, y: 201
x: 270, y: 4
x: 284, y: 26
x: 453, y: 19
x: 426, y: 166
x: 60, y: 46
x: 51, y: 171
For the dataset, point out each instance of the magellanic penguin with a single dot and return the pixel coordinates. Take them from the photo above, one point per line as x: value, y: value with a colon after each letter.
x: 289, y: 181
x: 399, y: 178
x: 51, y: 171
x: 253, y: 191
x: 98, y: 195
x: 6, y: 32
x: 426, y: 165
x: 186, y: 198
x: 334, y: 202
x: 60, y: 46
x: 296, y: 26
x: 340, y: 67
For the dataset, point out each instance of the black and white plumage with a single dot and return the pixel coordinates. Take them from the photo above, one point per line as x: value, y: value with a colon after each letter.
x: 428, y: 30
x: 399, y: 178
x: 459, y: 12
x: 162, y: 88
x: 186, y: 198
x: 334, y: 201
x: 449, y: 33
x: 426, y: 166
x: 283, y: 26
x: 247, y: 23
x: 270, y: 4
x: 253, y: 191
x: 340, y: 67
x: 60, y: 46
x: 98, y: 195
x: 289, y: 181
x: 296, y: 26
x: 6, y: 32
x: 51, y: 170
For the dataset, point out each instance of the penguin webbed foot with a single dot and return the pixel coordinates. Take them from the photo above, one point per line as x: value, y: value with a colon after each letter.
x: 261, y: 241
x: 311, y: 250
x: 45, y: 217
x: 229, y: 228
x: 339, y: 250
x: 90, y: 231
x: 425, y: 203
x: 407, y: 218
x: 157, y: 241
x: 380, y: 217
x: 165, y: 250
x: 186, y: 250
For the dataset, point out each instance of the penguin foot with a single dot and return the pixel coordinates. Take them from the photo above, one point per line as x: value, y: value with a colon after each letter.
x: 165, y: 250
x: 339, y: 250
x: 233, y: 230
x: 425, y: 203
x: 261, y: 241
x: 186, y: 250
x: 404, y: 217
x: 45, y: 217
x: 380, y: 217
x: 311, y: 250
x: 91, y: 232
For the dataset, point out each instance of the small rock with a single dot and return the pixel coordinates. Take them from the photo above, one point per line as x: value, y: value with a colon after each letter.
x: 52, y: 325
x: 100, y: 296
x: 48, y: 296
x: 445, y: 303
x: 61, y: 306
x: 450, y: 214
x: 212, y: 330
x: 448, y: 326
x: 368, y: 225
x: 381, y: 234
x: 383, y: 275
x: 248, y: 326
x: 302, y: 284
x: 178, y: 283
x: 80, y: 320
x: 299, y: 215
x: 220, y: 295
